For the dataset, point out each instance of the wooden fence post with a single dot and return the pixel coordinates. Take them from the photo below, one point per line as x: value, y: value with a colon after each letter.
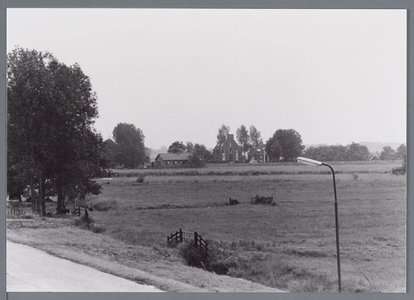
x: 195, y: 239
x: 86, y: 217
x: 181, y: 235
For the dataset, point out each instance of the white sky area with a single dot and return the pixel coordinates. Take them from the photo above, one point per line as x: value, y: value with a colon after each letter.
x: 335, y: 76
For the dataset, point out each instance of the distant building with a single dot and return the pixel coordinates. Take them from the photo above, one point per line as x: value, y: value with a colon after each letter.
x: 171, y: 160
x: 259, y: 154
x: 374, y: 157
x: 228, y: 151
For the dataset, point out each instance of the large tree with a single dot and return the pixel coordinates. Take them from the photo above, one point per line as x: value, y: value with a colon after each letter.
x: 110, y: 152
x: 357, y: 152
x: 51, y: 142
x: 286, y: 142
x: 130, y: 148
x: 177, y: 147
x: 401, y: 152
x: 243, y: 138
x: 255, y: 137
x: 222, y: 133
x: 388, y: 153
x: 198, y: 155
x: 273, y: 149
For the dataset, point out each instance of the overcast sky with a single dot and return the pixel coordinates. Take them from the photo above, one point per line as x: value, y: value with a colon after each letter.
x: 335, y: 76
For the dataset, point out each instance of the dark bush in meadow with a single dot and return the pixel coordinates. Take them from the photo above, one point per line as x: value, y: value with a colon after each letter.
x: 401, y: 170
x: 211, y: 260
x: 194, y: 256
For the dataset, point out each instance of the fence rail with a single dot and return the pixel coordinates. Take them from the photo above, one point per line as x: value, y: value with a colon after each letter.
x: 16, y: 210
x: 76, y: 211
x: 180, y: 236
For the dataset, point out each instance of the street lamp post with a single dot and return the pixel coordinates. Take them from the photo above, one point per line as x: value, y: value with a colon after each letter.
x: 318, y: 163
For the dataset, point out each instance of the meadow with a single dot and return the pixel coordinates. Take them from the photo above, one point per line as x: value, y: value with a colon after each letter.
x: 291, y: 245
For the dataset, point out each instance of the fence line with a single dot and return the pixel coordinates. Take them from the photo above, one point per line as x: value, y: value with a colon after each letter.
x: 180, y: 236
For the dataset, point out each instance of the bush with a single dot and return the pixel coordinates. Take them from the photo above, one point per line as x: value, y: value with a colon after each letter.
x: 141, y: 178
x: 97, y: 229
x: 211, y: 261
x: 401, y: 170
x: 194, y: 256
x: 84, y: 222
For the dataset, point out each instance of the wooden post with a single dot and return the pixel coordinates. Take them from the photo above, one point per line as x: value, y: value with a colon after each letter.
x: 86, y: 216
x: 195, y: 239
x: 181, y: 235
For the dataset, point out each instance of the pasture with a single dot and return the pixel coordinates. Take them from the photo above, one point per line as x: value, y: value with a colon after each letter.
x: 291, y: 245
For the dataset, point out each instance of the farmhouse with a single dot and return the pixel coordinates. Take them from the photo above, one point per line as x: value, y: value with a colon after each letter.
x: 228, y: 151
x: 171, y: 160
x: 374, y: 157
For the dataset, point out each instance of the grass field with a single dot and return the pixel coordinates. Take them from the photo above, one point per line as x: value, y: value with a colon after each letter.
x: 291, y: 245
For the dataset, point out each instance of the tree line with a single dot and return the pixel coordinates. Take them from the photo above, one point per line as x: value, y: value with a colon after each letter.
x: 352, y: 152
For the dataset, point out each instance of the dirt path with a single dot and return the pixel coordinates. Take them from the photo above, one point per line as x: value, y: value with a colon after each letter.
x: 32, y: 270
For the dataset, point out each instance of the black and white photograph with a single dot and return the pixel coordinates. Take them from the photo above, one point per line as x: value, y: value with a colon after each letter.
x: 206, y: 150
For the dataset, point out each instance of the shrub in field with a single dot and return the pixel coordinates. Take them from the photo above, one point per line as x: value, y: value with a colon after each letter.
x: 106, y: 173
x: 194, y: 256
x: 89, y: 223
x: 212, y: 260
x: 141, y: 178
x: 401, y: 170
x: 97, y: 229
x: 84, y: 222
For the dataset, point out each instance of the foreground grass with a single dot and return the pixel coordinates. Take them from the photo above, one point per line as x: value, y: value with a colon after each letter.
x: 158, y: 266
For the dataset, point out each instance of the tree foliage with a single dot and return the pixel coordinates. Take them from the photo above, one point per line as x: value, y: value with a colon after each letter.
x: 327, y: 153
x: 255, y: 137
x: 352, y: 152
x: 198, y: 155
x: 286, y: 143
x: 51, y: 141
x: 357, y: 152
x: 388, y: 153
x: 130, y: 150
x: 222, y: 133
x: 402, y: 152
x: 177, y: 147
x: 273, y: 149
x: 243, y: 138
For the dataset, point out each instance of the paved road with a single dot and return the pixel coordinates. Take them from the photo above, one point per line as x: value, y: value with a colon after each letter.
x: 32, y: 270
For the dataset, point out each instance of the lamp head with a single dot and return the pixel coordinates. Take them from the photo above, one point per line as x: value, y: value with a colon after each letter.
x: 309, y: 161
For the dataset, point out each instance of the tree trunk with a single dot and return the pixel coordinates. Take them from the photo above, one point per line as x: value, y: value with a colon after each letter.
x: 42, y: 196
x: 59, y: 208
x: 32, y: 194
x: 39, y: 197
